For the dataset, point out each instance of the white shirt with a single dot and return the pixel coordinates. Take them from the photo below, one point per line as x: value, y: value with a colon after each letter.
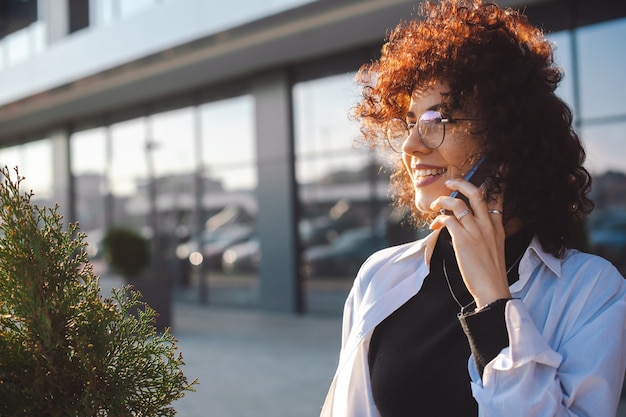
x: 566, y: 327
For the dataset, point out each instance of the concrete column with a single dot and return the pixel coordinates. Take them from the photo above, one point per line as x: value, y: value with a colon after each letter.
x: 62, y: 181
x: 276, y: 223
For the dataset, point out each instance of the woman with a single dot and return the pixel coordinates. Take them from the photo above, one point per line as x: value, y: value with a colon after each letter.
x: 540, y: 330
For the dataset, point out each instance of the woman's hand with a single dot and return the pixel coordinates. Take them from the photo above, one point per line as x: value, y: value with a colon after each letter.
x: 478, y: 240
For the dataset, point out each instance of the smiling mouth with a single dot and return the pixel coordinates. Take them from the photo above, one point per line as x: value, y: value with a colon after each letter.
x: 431, y: 172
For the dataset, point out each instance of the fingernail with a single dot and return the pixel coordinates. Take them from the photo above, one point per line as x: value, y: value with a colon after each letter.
x: 448, y: 182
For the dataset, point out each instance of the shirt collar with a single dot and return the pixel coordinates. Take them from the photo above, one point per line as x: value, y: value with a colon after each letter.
x: 425, y: 245
x: 552, y: 262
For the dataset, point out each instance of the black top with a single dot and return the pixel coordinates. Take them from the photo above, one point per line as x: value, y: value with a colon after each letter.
x: 418, y: 355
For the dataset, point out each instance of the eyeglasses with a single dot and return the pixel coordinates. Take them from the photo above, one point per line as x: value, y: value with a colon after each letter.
x: 431, y: 129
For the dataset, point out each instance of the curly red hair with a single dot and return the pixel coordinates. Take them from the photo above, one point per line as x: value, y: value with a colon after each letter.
x: 500, y: 68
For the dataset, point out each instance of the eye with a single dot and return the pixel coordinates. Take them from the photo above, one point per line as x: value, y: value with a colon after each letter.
x: 431, y: 117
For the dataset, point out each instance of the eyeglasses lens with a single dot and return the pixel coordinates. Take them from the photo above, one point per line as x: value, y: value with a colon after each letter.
x: 397, y: 132
x: 431, y: 129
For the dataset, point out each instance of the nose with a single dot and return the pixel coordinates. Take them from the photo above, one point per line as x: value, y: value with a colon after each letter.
x: 413, y: 144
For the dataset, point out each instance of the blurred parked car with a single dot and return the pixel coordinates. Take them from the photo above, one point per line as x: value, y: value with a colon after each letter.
x: 242, y: 257
x: 213, y: 244
x: 345, y: 255
x: 317, y: 231
x: 230, y: 226
x: 322, y: 230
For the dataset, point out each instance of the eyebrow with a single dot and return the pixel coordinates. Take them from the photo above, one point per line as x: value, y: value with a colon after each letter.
x: 434, y: 107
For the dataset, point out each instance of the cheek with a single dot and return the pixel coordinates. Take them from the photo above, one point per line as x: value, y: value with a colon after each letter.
x: 406, y: 161
x: 461, y: 158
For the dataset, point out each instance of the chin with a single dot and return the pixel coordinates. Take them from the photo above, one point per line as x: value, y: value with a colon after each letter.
x: 423, y: 206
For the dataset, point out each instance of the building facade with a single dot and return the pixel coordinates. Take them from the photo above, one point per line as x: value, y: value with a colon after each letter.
x: 221, y: 131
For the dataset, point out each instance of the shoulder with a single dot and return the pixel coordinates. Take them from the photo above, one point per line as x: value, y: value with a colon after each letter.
x: 578, y: 268
x: 588, y: 287
x: 582, y: 264
x: 581, y: 287
x: 592, y: 271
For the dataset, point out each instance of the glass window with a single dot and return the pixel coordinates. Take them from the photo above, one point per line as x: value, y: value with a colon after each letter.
x: 603, y: 131
x: 606, y: 146
x: 172, y: 156
x: 89, y: 151
x: 344, y: 206
x: 88, y: 160
x: 563, y: 57
x: 173, y: 142
x: 129, y: 162
x: 324, y: 135
x: 129, y: 178
x: 226, y: 242
x: 16, y: 15
x: 229, y: 149
x: 88, y: 164
x: 602, y: 61
x: 34, y: 162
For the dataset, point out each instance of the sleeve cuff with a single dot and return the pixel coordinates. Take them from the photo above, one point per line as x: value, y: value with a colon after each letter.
x: 486, y: 332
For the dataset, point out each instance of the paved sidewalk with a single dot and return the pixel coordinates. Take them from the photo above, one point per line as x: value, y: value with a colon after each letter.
x: 255, y: 364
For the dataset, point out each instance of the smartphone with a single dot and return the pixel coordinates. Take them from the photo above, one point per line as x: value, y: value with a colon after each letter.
x: 475, y: 176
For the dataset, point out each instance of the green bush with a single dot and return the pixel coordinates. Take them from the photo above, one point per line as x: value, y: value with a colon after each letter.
x: 126, y: 251
x: 64, y: 350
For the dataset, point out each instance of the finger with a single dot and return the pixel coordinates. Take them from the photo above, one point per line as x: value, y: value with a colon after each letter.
x: 448, y: 205
x: 456, y: 216
x: 454, y: 225
x: 475, y: 195
x: 495, y: 209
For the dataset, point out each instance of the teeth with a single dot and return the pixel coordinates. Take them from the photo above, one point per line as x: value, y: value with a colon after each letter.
x: 429, y: 172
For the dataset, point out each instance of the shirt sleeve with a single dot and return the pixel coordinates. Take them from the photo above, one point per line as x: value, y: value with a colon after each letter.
x: 580, y: 377
x: 486, y: 333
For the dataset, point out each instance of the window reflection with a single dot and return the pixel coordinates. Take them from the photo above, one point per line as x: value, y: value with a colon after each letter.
x: 34, y: 162
x: 169, y: 191
x: 228, y: 136
x: 128, y: 163
x: 222, y: 249
x: 602, y: 61
x: 601, y: 124
x: 186, y: 177
x: 607, y: 225
x: 563, y: 57
x: 88, y: 164
x: 343, y: 192
x: 321, y: 116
